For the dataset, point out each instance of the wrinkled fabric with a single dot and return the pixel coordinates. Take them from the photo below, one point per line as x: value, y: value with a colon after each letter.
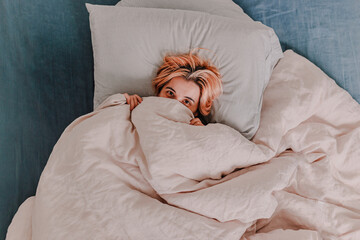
x: 151, y: 175
x: 185, y: 164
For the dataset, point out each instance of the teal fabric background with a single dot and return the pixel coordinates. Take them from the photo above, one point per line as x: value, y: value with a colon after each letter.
x: 327, y: 32
x: 46, y: 81
x: 46, y: 72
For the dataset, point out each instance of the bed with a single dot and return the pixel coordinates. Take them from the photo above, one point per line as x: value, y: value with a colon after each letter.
x: 297, y: 177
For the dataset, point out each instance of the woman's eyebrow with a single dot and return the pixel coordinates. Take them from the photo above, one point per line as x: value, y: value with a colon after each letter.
x: 190, y: 99
x: 171, y: 89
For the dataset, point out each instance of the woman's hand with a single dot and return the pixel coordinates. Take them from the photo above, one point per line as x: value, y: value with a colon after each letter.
x: 133, y: 100
x: 196, y: 122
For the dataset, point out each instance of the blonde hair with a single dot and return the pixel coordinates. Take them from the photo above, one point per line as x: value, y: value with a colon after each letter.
x: 193, y: 68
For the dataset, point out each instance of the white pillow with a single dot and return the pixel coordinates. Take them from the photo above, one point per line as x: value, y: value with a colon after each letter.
x: 225, y: 8
x: 129, y: 44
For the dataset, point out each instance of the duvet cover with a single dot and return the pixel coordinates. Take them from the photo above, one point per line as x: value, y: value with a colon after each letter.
x: 148, y: 174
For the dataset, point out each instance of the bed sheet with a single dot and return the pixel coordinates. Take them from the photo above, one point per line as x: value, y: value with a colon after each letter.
x: 297, y: 179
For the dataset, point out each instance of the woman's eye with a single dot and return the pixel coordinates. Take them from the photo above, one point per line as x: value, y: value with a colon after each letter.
x: 187, y: 102
x: 170, y: 93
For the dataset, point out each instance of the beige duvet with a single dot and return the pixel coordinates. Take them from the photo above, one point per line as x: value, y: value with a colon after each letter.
x: 151, y: 175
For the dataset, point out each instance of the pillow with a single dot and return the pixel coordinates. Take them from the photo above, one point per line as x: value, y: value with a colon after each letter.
x: 129, y: 44
x: 225, y: 8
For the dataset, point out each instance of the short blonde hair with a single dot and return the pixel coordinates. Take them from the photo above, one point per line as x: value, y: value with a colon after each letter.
x: 193, y: 68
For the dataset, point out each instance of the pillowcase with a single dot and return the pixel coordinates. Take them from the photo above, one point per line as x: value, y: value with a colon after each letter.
x: 225, y: 8
x: 129, y: 44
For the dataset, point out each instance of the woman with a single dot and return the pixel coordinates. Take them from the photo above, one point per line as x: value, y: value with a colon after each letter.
x: 188, y: 78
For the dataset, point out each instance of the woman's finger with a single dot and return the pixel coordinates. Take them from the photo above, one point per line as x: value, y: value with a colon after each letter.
x: 193, y: 121
x: 196, y: 122
x: 132, y: 103
x: 138, y: 98
x: 127, y: 98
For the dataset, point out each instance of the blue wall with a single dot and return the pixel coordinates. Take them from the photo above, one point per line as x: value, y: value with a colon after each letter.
x: 327, y: 32
x: 46, y: 81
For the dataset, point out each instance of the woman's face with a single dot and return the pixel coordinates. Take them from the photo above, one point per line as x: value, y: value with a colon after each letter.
x: 185, y: 91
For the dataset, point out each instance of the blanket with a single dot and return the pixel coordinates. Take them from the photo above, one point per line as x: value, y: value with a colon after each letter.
x: 150, y: 175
